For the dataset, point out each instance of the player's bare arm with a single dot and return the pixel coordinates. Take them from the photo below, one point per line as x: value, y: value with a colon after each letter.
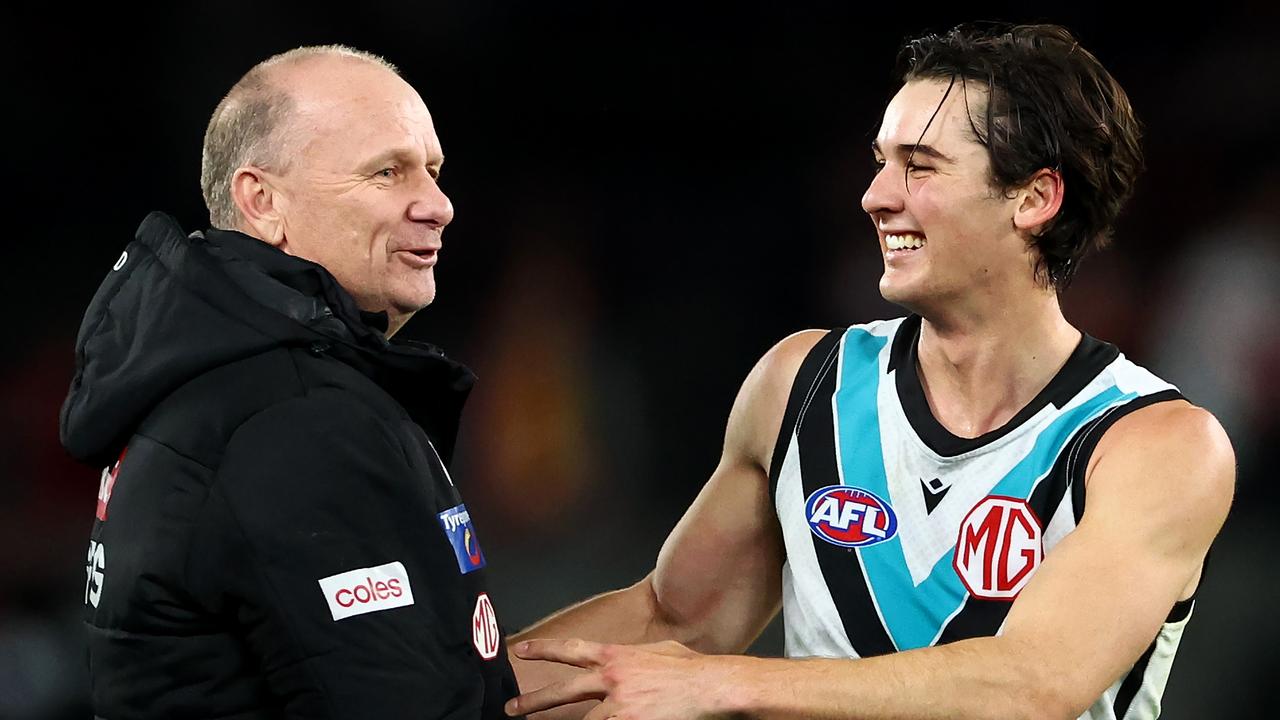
x: 1159, y: 489
x: 716, y: 584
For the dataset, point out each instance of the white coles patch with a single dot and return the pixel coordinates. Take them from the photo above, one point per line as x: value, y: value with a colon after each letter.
x: 998, y: 548
x: 484, y: 628
x: 367, y: 590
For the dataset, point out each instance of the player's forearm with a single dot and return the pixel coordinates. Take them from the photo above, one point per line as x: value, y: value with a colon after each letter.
x: 628, y: 616
x: 973, y: 679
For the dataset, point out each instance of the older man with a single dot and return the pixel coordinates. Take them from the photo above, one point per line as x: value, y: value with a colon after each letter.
x: 276, y: 533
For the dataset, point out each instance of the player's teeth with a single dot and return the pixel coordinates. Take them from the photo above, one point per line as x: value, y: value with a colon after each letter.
x: 903, y: 242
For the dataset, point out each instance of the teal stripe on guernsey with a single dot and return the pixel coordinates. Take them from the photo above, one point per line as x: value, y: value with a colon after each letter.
x: 914, y: 615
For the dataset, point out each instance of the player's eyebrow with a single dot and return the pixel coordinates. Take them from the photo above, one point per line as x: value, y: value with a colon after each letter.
x: 907, y: 149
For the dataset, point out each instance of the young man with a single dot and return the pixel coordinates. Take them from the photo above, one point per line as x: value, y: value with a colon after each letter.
x: 971, y: 512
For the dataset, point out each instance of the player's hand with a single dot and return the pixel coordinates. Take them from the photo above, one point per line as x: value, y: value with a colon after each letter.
x: 662, y: 681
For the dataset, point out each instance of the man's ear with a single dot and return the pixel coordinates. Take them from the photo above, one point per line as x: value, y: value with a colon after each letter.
x: 258, y: 196
x: 1039, y: 201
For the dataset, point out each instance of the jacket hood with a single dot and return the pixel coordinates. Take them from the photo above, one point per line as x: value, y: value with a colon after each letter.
x: 176, y: 306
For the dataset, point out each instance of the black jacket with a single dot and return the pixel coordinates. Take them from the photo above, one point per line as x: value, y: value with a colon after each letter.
x: 280, y: 537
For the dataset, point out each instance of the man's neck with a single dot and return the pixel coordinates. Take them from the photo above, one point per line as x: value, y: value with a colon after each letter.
x: 978, y: 372
x: 395, y: 321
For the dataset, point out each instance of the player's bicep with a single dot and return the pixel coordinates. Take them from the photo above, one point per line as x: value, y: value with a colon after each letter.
x: 1156, y: 498
x: 719, y: 571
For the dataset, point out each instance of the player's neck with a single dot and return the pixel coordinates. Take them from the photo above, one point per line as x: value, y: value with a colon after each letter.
x: 979, y: 371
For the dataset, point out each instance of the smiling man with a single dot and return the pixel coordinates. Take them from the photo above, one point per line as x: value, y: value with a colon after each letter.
x: 276, y: 533
x: 975, y: 511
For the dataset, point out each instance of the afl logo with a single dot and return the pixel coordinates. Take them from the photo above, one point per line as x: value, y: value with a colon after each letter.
x: 849, y: 516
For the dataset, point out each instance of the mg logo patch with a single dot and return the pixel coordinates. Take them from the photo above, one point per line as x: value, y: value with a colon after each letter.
x: 484, y: 628
x: 998, y: 548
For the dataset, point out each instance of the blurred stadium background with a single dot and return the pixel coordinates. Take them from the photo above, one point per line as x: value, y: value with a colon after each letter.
x: 647, y: 198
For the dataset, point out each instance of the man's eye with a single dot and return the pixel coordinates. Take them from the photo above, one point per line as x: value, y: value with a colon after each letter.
x: 912, y: 167
x: 879, y: 164
x: 387, y: 172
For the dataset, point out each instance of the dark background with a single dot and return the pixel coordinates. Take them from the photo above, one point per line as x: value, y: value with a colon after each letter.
x: 647, y: 197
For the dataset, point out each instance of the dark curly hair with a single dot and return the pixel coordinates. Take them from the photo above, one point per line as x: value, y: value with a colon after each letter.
x: 1051, y: 105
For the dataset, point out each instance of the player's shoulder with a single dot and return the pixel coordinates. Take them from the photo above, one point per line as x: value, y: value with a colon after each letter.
x: 786, y: 355
x: 1169, y: 442
x: 1164, y: 426
x: 778, y: 367
x: 765, y: 394
x: 780, y: 364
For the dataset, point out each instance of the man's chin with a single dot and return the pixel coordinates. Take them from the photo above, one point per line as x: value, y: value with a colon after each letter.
x: 894, y: 292
x: 401, y: 308
x: 415, y: 296
x: 408, y: 307
x: 901, y: 295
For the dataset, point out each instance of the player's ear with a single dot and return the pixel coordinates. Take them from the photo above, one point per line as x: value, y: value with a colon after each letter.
x: 1039, y: 201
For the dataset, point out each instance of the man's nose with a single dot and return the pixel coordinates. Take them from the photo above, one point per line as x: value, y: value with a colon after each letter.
x: 885, y: 193
x: 431, y: 205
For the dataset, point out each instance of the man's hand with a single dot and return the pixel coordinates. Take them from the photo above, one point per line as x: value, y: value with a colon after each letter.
x: 660, y: 681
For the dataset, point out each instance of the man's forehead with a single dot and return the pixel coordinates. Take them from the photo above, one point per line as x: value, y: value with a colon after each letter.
x: 365, y: 109
x: 931, y: 112
x: 359, y: 136
x: 355, y: 105
x: 317, y: 84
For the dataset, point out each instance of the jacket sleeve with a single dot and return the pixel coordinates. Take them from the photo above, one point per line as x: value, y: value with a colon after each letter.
x: 321, y: 546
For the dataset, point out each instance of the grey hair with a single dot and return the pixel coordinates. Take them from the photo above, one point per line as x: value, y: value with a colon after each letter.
x: 248, y: 128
